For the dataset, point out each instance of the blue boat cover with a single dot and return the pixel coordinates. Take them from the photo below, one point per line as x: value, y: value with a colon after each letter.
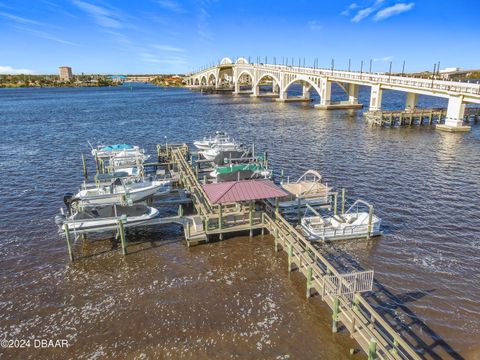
x: 117, y: 147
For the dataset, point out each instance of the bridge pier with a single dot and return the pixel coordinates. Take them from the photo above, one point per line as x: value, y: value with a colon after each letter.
x: 326, y: 102
x: 283, y: 97
x: 411, y: 102
x: 375, y: 98
x: 454, y: 117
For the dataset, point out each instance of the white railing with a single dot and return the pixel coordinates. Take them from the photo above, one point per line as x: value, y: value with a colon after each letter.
x: 402, y: 81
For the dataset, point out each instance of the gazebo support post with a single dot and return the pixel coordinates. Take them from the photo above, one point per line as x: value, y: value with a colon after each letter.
x: 220, y: 220
x: 250, y: 217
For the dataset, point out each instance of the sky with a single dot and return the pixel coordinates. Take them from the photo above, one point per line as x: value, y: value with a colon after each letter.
x: 179, y: 36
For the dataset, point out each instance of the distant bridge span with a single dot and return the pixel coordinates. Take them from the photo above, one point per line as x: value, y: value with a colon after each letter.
x: 230, y: 73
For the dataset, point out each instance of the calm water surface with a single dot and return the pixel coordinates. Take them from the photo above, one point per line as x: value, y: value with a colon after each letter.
x: 232, y: 299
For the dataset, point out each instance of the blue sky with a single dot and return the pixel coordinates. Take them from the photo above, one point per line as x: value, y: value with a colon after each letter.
x: 173, y: 36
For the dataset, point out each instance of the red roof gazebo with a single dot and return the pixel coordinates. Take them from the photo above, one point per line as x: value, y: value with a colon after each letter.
x: 244, y: 190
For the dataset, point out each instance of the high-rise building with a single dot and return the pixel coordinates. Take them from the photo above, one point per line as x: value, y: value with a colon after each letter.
x: 65, y: 73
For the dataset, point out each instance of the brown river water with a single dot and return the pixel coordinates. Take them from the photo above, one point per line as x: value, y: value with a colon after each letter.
x: 231, y: 299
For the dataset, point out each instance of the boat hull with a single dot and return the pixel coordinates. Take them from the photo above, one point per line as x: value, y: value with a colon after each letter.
x: 109, y: 224
x: 135, y: 195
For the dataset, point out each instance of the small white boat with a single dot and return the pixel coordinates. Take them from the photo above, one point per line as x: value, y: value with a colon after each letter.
x: 128, y: 158
x: 104, y: 218
x: 213, y: 152
x: 122, y: 190
x: 353, y: 224
x: 219, y: 138
x: 107, y: 151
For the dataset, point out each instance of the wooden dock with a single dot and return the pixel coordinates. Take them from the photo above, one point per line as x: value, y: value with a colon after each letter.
x: 419, y: 117
x: 341, y: 292
x: 346, y: 294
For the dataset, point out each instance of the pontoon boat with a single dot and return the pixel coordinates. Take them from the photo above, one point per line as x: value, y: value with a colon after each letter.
x: 352, y: 224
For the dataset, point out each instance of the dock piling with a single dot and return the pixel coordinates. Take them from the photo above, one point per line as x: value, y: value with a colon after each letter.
x: 335, y: 200
x: 84, y: 162
x: 372, y: 349
x: 220, y: 220
x: 309, y: 280
x: 69, y: 245
x: 343, y: 201
x: 290, y: 257
x: 121, y: 231
x: 336, y: 310
x: 276, y: 239
x: 370, y: 219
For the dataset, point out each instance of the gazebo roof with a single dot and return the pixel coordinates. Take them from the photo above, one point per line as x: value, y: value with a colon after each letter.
x: 245, y: 190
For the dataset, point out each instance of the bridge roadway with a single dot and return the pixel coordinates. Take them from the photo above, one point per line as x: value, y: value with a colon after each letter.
x: 229, y: 73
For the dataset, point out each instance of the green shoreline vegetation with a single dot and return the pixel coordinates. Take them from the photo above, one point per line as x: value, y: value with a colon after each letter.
x: 20, y: 81
x: 47, y: 81
x: 168, y: 80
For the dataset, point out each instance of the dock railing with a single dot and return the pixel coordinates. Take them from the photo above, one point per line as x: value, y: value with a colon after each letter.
x: 341, y: 292
x: 364, y: 323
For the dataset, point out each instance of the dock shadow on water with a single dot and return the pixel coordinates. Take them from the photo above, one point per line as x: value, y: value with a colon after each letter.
x: 394, y: 308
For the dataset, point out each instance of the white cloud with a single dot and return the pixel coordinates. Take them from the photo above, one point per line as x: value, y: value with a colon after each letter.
x: 393, y: 10
x: 13, y: 71
x: 171, y: 5
x: 383, y: 59
x: 168, y: 48
x: 170, y: 60
x: 314, y: 25
x: 363, y: 13
x: 20, y: 19
x: 46, y: 35
x: 350, y: 7
x: 102, y: 16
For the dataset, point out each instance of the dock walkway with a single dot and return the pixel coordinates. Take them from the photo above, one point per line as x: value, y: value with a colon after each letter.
x: 341, y: 292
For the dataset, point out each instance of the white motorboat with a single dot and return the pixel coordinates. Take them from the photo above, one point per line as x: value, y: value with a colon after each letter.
x: 107, y: 151
x: 353, y: 224
x: 104, y: 218
x: 121, y: 190
x: 219, y: 138
x: 213, y: 152
x: 128, y: 159
x: 307, y: 190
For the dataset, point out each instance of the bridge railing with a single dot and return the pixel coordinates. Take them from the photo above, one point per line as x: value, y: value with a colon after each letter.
x: 404, y: 81
x: 444, y: 85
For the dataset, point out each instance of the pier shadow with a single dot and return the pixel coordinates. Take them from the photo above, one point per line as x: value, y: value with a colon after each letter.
x: 137, y: 242
x: 393, y: 308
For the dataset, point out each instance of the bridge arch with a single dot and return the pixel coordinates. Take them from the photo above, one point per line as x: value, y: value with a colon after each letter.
x: 241, y: 61
x: 212, y: 80
x: 263, y: 76
x: 226, y: 61
x: 203, y: 80
x: 307, y: 83
x: 196, y: 81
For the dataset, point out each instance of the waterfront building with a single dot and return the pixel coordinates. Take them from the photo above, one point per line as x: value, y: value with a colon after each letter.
x: 65, y: 73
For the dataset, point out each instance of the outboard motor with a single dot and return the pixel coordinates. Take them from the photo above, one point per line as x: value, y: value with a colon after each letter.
x: 67, y: 200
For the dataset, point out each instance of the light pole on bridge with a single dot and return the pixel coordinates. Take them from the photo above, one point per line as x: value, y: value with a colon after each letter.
x: 333, y: 65
x: 370, y: 70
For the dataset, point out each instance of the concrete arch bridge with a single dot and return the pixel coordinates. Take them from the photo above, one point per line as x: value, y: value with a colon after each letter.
x: 231, y: 75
